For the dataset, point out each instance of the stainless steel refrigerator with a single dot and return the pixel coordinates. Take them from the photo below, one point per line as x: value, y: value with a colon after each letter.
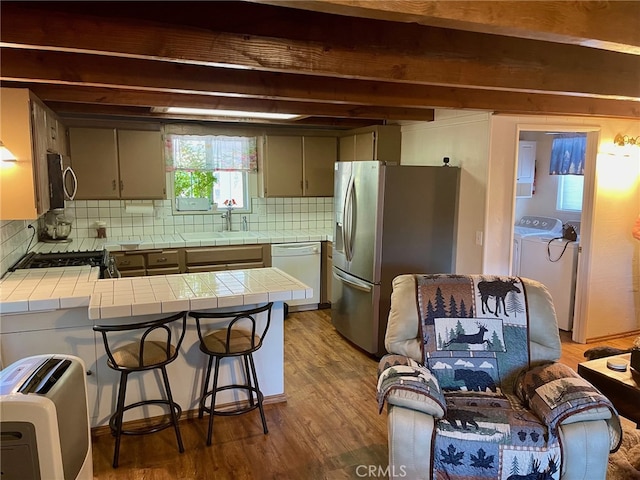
x: 389, y: 220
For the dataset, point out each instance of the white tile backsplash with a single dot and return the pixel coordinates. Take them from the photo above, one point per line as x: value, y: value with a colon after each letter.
x: 266, y: 214
x: 14, y: 239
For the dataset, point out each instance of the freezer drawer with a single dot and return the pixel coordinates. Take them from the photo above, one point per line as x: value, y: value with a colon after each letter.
x: 355, y: 310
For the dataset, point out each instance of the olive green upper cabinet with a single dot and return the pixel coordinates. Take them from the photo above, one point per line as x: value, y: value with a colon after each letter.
x: 117, y: 164
x: 299, y: 166
x: 379, y: 142
x: 24, y: 185
x: 319, y: 157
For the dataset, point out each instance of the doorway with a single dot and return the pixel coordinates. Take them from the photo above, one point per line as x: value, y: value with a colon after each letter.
x: 542, y: 192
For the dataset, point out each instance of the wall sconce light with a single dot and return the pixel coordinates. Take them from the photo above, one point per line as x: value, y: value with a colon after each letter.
x: 5, y: 154
x: 622, y: 140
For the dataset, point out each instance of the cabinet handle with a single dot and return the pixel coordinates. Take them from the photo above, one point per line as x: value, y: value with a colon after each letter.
x: 121, y: 185
x: 113, y: 185
x: 125, y: 262
x: 161, y: 259
x: 306, y: 184
x: 301, y: 185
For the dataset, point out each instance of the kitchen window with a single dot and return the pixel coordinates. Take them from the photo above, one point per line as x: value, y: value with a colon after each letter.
x: 210, y: 172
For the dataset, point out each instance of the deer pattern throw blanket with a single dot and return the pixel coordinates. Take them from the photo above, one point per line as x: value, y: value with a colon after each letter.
x: 475, y: 341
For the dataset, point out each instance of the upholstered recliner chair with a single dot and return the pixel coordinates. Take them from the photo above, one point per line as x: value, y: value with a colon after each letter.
x: 473, y: 388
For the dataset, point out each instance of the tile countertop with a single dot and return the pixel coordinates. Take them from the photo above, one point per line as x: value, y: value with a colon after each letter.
x: 181, y: 240
x: 39, y: 290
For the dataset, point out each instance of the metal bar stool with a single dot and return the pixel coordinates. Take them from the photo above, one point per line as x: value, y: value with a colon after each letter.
x: 152, y: 349
x: 240, y: 338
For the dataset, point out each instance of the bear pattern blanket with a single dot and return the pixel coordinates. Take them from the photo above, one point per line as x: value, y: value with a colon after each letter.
x: 475, y: 340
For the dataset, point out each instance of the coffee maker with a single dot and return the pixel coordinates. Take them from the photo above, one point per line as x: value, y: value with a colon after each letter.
x: 55, y: 226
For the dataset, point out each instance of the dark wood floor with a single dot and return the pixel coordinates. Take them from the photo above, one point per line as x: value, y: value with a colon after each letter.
x: 327, y: 428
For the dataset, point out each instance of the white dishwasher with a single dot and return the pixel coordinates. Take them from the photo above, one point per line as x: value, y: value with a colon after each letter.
x: 302, y: 261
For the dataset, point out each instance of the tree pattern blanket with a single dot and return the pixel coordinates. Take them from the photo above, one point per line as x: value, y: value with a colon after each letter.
x: 495, y: 416
x: 475, y: 339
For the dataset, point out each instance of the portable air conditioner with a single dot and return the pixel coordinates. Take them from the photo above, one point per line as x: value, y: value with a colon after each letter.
x: 44, y: 421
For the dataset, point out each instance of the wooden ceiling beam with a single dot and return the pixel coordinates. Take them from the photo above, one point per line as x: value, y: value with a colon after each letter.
x: 611, y: 25
x: 124, y: 97
x: 64, y: 68
x: 397, y: 52
x: 76, y: 114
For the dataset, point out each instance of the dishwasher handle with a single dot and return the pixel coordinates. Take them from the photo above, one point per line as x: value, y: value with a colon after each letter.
x: 294, y: 249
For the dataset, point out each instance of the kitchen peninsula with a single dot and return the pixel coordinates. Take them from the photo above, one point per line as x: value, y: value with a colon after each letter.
x: 53, y: 311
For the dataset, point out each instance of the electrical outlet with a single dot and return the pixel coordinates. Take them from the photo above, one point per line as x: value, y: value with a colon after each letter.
x: 479, y: 237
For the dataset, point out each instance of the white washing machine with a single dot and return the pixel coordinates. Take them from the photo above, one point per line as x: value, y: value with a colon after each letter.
x: 553, y: 262
x: 532, y: 225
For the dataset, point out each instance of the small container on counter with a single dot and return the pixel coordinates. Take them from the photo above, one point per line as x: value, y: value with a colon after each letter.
x: 101, y: 229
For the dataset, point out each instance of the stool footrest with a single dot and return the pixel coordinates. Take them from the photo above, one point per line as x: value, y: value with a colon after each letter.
x: 252, y: 402
x: 151, y: 428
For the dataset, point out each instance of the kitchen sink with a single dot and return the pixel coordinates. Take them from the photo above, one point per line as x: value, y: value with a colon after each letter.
x: 191, y: 236
x: 234, y: 234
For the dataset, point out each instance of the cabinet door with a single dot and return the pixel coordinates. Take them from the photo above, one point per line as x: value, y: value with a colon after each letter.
x: 526, y: 168
x: 347, y: 148
x: 129, y: 262
x: 141, y: 164
x: 320, y: 155
x: 94, y: 157
x: 283, y: 166
x: 365, y: 146
x: 63, y: 138
x: 51, y: 131
x: 40, y: 164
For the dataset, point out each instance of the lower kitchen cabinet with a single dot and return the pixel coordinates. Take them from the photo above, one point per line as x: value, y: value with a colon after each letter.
x: 138, y: 263
x: 165, y: 262
x: 130, y: 264
x: 211, y: 259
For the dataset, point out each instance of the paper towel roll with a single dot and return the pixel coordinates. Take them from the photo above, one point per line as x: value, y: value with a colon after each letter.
x: 139, y: 209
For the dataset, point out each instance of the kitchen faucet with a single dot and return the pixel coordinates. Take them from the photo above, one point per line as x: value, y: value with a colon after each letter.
x: 227, y: 218
x: 229, y: 203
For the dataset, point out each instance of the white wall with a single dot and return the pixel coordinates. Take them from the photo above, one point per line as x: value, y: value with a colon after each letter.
x: 608, y: 265
x: 464, y: 138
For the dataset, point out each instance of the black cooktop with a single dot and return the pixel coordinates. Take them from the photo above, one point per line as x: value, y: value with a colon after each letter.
x: 97, y: 258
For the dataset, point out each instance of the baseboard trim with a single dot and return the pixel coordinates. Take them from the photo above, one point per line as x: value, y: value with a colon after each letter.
x: 612, y: 337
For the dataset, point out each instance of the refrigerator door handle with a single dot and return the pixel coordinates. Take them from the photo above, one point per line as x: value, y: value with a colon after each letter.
x: 348, y: 220
x: 362, y: 286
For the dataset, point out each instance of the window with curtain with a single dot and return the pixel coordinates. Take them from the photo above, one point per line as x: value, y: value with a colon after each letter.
x: 212, y: 167
x: 568, y: 154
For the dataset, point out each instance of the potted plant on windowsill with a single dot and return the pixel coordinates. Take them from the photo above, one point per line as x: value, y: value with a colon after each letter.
x: 194, y: 190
